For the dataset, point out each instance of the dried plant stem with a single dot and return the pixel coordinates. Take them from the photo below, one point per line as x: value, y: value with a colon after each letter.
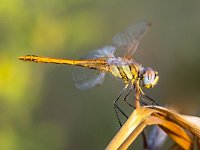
x: 137, y: 95
x: 178, y: 127
x: 137, y: 105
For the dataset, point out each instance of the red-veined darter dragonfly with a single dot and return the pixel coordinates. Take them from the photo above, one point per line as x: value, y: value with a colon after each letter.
x: 104, y: 60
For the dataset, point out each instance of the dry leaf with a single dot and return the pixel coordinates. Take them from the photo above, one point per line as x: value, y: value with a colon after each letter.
x: 173, y: 124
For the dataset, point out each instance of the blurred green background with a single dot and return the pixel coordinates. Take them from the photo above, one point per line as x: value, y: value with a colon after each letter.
x: 40, y: 108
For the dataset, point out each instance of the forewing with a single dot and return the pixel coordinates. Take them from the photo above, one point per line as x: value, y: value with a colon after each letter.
x: 128, y: 40
x: 86, y: 78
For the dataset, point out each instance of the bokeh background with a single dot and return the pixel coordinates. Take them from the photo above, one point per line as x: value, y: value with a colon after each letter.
x: 40, y: 108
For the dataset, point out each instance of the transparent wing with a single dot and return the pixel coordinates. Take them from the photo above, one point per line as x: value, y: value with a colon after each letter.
x: 128, y: 40
x: 107, y: 51
x: 85, y: 78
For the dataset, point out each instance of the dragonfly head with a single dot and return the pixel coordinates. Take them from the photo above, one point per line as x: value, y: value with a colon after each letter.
x: 149, y: 78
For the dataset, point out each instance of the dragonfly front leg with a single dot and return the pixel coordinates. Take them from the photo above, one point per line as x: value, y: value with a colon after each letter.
x: 138, y: 94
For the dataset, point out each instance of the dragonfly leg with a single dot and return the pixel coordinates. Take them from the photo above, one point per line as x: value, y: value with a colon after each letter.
x: 126, y: 96
x: 116, y: 107
x: 149, y: 99
x: 140, y: 91
x: 142, y: 101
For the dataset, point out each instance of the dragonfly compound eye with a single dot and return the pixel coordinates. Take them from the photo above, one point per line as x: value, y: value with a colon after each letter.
x: 150, y: 78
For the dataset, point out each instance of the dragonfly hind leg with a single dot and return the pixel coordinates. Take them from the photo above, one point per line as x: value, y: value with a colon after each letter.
x: 126, y: 96
x: 116, y: 107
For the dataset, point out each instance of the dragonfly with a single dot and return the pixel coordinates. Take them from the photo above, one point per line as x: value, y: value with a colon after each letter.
x: 116, y: 59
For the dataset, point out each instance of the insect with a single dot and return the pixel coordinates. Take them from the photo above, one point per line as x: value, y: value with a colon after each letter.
x: 116, y: 59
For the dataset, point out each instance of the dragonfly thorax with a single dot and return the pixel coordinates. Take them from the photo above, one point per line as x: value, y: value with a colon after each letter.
x: 130, y: 71
x: 125, y: 69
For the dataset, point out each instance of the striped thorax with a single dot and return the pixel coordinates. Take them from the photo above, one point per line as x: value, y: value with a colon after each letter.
x: 130, y: 71
x: 125, y: 69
